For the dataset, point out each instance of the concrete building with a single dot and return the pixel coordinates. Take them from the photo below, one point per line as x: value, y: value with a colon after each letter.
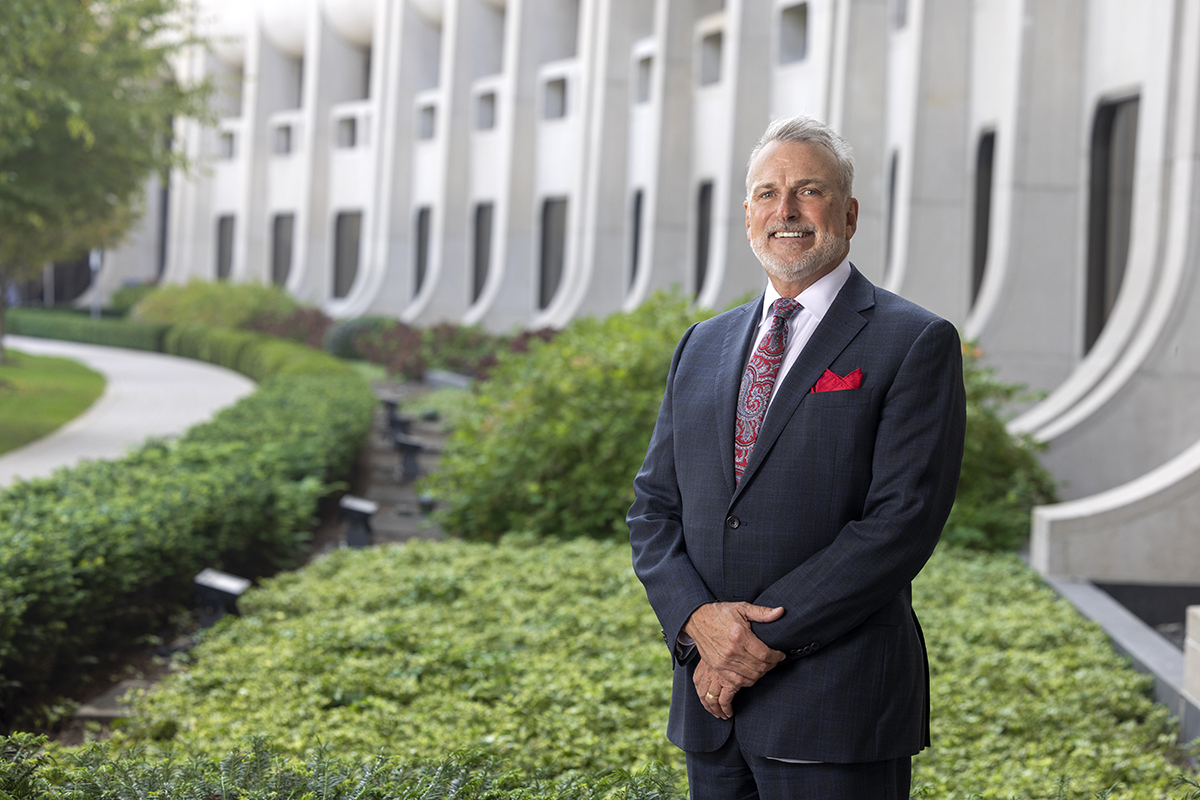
x: 1026, y: 168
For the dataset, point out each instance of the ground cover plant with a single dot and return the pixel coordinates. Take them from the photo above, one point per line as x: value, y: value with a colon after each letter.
x: 28, y: 773
x: 546, y: 656
x: 38, y: 394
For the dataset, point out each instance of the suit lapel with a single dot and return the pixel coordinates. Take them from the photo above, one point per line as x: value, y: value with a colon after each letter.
x: 838, y: 328
x: 733, y: 363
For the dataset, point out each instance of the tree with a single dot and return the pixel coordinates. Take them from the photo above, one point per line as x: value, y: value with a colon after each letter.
x: 88, y: 96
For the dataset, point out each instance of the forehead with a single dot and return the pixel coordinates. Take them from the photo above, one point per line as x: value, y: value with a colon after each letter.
x: 790, y: 162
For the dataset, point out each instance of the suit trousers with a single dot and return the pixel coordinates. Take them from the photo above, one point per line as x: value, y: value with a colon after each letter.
x: 729, y: 774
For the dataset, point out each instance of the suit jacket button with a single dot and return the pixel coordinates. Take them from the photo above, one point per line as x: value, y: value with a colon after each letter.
x: 732, y: 521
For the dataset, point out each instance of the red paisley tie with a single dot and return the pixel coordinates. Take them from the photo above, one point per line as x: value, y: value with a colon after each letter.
x: 758, y: 381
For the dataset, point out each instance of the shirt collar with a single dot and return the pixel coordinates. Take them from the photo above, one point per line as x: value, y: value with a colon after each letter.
x: 816, y: 299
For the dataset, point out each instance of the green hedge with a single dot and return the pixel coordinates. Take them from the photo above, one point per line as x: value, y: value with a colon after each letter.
x: 74, y: 326
x: 552, y: 441
x: 546, y: 655
x: 95, y: 556
x: 217, y: 304
x: 252, y: 354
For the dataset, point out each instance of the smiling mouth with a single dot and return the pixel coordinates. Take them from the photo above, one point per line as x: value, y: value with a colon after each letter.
x: 791, y: 234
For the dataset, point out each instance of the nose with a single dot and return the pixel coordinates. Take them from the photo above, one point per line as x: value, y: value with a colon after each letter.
x: 788, y: 207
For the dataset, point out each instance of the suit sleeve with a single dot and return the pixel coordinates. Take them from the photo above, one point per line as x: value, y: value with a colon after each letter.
x: 660, y: 559
x: 914, y: 475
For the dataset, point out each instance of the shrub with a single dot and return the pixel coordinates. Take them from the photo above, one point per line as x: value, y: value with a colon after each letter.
x: 303, y: 325
x: 95, y: 556
x: 339, y: 337
x: 398, y: 347
x: 259, y: 772
x: 213, y: 303
x: 73, y: 326
x: 546, y: 655
x: 557, y: 434
x: 122, y: 301
x: 1001, y: 479
x: 254, y: 355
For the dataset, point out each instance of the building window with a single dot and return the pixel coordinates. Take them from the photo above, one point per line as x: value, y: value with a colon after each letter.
x: 636, y: 228
x: 283, y: 229
x: 555, y: 106
x: 283, y: 140
x: 899, y: 13
x: 1110, y: 210
x: 485, y: 111
x: 426, y: 122
x: 224, y: 246
x: 347, y: 133
x: 347, y: 238
x: 424, y: 213
x: 644, y: 75
x: 482, y: 255
x: 984, y: 158
x: 704, y: 206
x: 793, y: 33
x: 226, y: 146
x: 890, y: 228
x: 554, y: 248
x: 710, y: 59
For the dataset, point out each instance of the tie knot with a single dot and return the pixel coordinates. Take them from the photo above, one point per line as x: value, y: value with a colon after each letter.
x: 785, y: 307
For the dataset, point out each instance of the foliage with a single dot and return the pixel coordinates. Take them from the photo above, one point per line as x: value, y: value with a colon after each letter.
x: 252, y: 354
x: 39, y: 394
x: 1026, y: 691
x: 87, y: 102
x: 398, y: 346
x: 545, y: 654
x: 258, y: 772
x: 339, y: 338
x: 216, y: 304
x: 1001, y: 478
x: 97, y: 555
x: 407, y: 351
x: 304, y: 326
x: 556, y: 435
x: 122, y: 301
x: 72, y: 326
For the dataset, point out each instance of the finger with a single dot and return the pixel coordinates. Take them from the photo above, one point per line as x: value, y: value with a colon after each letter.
x: 725, y: 702
x: 760, y: 613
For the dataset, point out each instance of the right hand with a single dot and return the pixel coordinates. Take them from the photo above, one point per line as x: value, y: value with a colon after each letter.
x: 728, y: 646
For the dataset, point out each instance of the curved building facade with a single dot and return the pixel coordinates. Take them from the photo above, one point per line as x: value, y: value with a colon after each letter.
x: 1027, y: 169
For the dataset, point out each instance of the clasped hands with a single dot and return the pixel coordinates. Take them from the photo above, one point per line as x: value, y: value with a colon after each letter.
x: 731, y: 656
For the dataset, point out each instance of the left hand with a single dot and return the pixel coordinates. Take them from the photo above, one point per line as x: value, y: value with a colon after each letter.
x: 716, y: 696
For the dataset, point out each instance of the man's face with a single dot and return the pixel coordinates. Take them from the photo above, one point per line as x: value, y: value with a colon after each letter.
x: 797, y: 220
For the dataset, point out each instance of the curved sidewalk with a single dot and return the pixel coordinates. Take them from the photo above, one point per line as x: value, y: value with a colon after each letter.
x: 146, y: 394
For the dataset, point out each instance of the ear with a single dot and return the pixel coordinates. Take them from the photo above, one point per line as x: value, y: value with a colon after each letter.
x: 851, y: 217
x: 746, y: 206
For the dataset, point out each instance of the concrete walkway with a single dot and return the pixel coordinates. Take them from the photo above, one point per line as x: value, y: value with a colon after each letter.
x: 147, y: 394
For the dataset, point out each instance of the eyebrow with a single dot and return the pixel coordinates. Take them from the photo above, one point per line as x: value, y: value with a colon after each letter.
x: 758, y: 187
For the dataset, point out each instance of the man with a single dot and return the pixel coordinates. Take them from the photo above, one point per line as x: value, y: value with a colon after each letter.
x: 804, y: 461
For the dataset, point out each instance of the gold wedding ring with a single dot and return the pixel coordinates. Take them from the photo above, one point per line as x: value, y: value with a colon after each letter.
x: 710, y: 695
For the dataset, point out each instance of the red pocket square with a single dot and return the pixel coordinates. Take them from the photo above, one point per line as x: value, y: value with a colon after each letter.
x: 832, y: 382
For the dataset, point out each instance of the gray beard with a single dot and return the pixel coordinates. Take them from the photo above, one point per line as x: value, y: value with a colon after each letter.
x: 827, y: 251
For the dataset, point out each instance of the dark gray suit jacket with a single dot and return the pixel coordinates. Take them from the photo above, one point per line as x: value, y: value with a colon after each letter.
x: 842, y: 502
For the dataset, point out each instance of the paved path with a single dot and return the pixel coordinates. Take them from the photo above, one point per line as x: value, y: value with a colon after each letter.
x: 147, y: 394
